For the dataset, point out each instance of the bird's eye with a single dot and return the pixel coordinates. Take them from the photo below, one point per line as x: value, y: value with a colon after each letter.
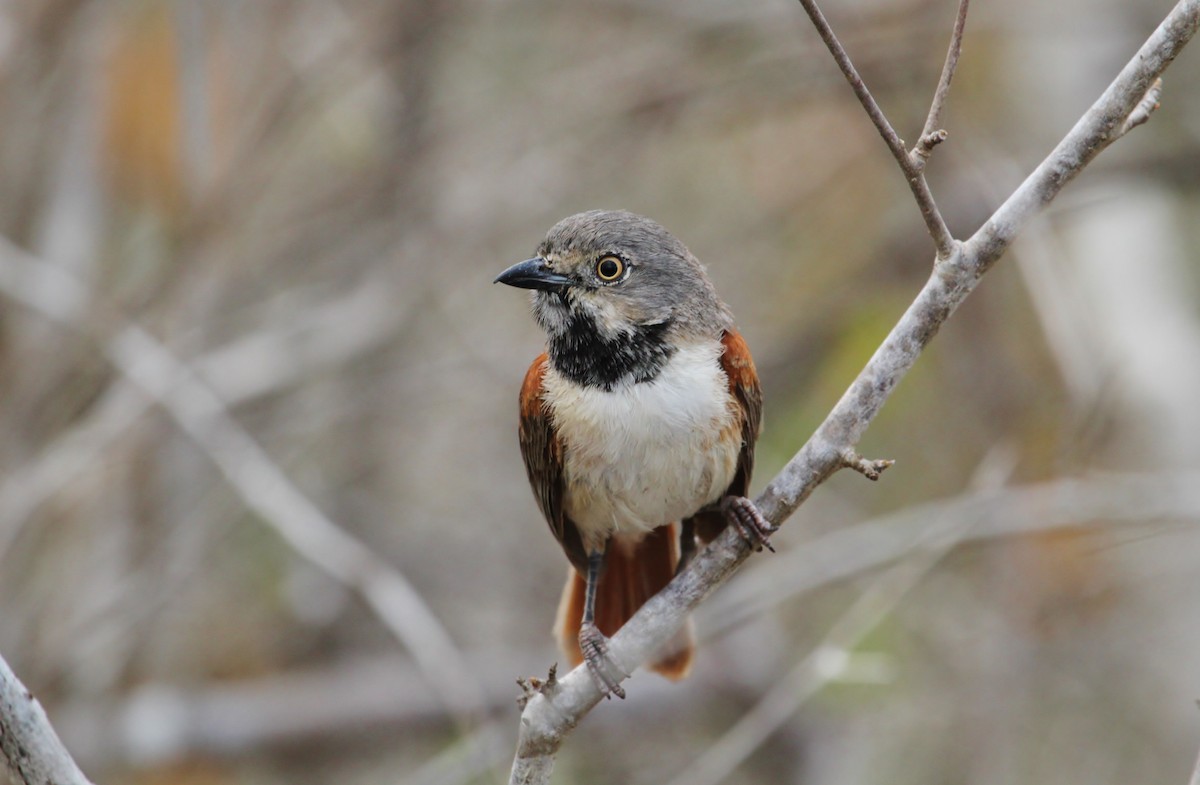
x: 609, y: 268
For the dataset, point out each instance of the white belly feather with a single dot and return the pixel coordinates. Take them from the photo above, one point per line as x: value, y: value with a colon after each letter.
x: 643, y: 455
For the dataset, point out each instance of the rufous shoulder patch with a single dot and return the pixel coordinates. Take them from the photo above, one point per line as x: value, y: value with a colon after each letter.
x: 531, y: 388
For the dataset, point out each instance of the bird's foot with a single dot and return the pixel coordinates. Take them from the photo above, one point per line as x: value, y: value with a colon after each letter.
x: 749, y: 522
x: 594, y: 646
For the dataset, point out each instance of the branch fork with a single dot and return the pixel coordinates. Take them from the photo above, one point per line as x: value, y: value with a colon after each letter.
x: 919, y: 155
x: 912, y: 163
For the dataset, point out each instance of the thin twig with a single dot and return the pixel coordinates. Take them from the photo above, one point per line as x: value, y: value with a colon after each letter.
x: 30, y: 747
x: 547, y: 720
x: 942, y: 239
x: 932, y: 134
x: 1099, y: 127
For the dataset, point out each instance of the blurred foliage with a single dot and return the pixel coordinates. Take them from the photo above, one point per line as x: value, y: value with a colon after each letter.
x: 308, y: 201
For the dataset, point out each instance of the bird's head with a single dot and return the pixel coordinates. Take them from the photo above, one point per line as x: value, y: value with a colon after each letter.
x: 617, y: 275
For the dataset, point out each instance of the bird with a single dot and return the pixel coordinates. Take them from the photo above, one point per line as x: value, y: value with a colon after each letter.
x: 637, y: 423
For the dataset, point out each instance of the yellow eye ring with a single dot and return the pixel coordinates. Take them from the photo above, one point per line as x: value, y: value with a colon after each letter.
x: 610, y: 268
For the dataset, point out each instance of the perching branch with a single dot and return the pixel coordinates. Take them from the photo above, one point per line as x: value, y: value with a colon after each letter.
x: 31, y: 749
x: 1143, y: 111
x: 1009, y: 512
x: 831, y: 658
x: 548, y: 718
x: 821, y: 665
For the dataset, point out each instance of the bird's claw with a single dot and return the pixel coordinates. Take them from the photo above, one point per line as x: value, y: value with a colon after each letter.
x: 749, y: 522
x: 594, y: 646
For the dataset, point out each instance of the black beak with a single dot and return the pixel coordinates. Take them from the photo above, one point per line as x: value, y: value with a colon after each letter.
x: 533, y: 274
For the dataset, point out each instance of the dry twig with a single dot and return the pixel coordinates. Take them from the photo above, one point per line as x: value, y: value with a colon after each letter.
x: 932, y: 134
x: 942, y: 239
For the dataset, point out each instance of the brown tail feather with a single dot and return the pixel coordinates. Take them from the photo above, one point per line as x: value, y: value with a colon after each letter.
x: 632, y: 575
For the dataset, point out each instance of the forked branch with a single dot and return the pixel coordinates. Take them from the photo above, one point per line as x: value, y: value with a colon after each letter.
x: 913, y: 172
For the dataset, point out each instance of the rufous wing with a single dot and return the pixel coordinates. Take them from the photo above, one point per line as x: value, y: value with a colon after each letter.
x: 738, y: 366
x: 542, y: 451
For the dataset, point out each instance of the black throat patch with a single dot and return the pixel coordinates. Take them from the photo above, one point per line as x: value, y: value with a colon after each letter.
x: 585, y: 356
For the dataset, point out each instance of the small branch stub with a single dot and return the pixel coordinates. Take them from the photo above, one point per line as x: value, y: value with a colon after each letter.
x: 920, y: 154
x: 871, y: 469
x: 934, y: 119
x: 533, y: 686
x: 1141, y: 113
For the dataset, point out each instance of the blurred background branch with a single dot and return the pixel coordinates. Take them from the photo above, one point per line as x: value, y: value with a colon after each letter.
x: 158, y: 723
x: 833, y: 658
x: 370, y: 165
x: 262, y: 486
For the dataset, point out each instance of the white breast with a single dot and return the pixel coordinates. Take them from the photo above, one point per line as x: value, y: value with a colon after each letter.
x: 643, y: 455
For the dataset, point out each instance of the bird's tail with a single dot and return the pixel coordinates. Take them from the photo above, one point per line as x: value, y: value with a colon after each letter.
x: 632, y: 574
